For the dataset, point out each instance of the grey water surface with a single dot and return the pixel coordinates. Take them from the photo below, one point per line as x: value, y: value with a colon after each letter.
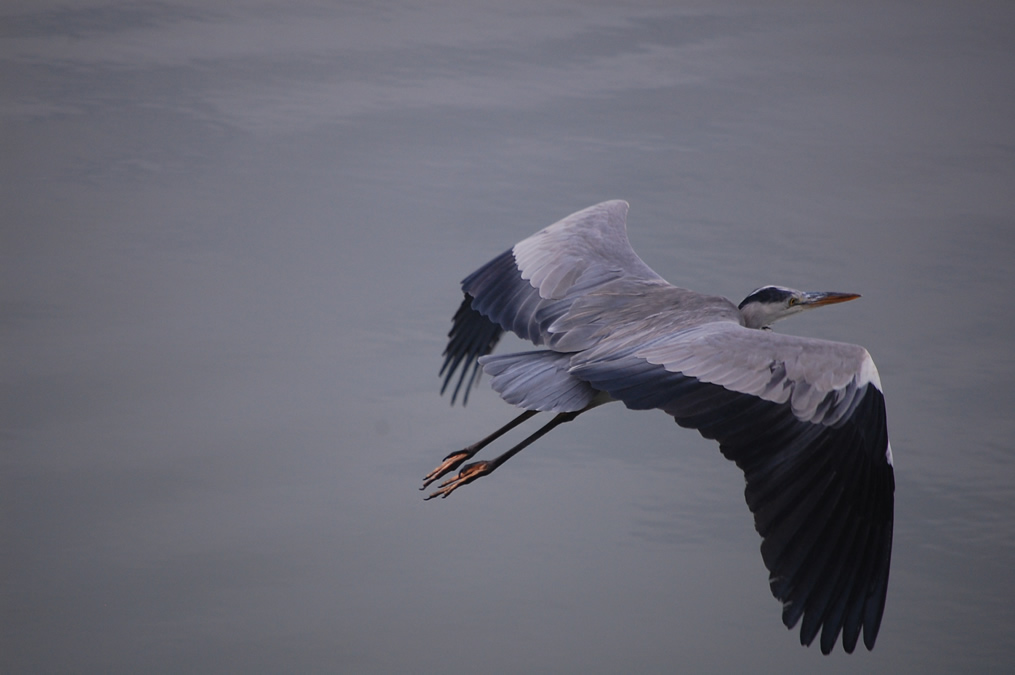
x: 231, y: 240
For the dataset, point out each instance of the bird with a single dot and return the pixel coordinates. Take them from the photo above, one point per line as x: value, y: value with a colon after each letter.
x: 804, y: 419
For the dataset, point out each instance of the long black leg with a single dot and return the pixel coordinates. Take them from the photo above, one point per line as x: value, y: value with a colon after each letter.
x: 455, y: 459
x: 471, y: 472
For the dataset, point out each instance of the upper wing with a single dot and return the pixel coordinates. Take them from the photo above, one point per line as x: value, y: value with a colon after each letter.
x: 528, y: 287
x: 805, y: 420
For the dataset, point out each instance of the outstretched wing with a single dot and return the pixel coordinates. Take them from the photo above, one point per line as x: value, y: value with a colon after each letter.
x: 530, y: 286
x: 805, y: 421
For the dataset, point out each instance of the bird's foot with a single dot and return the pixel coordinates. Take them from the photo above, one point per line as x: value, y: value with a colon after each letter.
x: 469, y: 473
x: 447, y: 465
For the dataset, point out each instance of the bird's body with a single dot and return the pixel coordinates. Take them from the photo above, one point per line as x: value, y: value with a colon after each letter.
x: 803, y: 418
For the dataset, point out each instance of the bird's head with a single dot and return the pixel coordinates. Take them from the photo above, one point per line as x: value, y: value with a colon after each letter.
x: 766, y: 305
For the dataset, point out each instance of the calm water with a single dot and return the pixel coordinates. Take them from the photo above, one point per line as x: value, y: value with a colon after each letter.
x: 231, y: 241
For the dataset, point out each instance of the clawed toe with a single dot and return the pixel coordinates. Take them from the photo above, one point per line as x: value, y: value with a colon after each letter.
x: 447, y: 465
x: 469, y: 473
x: 455, y: 459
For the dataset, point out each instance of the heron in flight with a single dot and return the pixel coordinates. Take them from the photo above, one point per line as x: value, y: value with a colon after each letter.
x: 803, y: 418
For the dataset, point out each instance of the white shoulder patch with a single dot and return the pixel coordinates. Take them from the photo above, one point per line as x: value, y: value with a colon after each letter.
x: 868, y: 373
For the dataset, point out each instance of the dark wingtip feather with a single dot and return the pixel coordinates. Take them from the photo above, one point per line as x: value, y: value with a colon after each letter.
x: 822, y: 496
x: 472, y: 335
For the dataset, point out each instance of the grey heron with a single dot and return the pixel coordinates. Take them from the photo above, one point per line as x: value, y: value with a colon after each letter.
x: 803, y: 418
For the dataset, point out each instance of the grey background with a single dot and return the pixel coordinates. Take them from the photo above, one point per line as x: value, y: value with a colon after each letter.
x: 231, y: 240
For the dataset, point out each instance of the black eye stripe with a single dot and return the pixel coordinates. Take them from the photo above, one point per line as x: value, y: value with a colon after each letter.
x: 768, y: 294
